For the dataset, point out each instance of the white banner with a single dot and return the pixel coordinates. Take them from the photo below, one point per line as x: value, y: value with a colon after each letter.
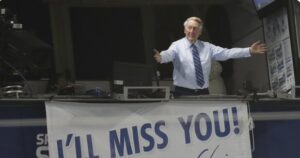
x: 174, y: 129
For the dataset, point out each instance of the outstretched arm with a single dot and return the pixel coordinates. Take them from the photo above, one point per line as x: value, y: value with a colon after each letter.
x: 258, y: 48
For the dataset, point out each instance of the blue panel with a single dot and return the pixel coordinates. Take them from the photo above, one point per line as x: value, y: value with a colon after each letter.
x: 21, y: 142
x: 18, y: 141
x: 277, y: 139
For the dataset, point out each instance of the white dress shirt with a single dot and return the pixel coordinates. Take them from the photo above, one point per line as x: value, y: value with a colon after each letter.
x: 180, y: 53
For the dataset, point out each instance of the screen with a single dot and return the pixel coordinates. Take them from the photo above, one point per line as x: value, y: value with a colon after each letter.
x: 259, y: 4
x: 133, y: 74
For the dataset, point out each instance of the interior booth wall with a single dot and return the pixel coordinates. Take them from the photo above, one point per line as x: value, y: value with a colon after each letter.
x: 246, y: 28
x: 159, y: 24
x: 294, y: 18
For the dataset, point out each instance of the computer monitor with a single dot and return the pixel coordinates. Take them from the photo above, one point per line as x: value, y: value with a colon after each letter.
x: 133, y: 74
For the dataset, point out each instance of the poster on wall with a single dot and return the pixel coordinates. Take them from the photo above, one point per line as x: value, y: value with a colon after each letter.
x: 279, y: 54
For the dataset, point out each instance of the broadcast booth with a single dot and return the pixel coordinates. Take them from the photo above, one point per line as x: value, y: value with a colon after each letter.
x: 140, y: 117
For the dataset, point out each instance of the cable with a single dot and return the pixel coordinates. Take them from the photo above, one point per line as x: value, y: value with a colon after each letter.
x: 18, y: 73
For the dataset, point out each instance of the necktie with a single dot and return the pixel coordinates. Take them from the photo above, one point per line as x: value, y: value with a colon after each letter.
x: 198, y: 67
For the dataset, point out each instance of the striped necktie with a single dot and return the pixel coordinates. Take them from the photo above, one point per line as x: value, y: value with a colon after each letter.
x: 198, y: 66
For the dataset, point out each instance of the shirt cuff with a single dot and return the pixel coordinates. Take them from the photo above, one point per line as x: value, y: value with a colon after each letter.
x: 248, y: 52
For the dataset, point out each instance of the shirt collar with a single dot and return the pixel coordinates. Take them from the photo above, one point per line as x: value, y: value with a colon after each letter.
x: 189, y: 44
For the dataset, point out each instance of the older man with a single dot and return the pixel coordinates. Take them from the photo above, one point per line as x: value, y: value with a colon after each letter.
x: 192, y: 58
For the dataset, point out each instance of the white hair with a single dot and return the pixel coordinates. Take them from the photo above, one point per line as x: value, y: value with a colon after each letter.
x: 193, y: 18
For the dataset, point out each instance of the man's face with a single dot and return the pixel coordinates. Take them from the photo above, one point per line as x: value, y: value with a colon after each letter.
x: 192, y: 30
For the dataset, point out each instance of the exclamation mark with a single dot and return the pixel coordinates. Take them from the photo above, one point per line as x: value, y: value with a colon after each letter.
x: 235, y: 120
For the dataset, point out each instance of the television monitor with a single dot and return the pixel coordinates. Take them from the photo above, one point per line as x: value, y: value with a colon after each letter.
x: 259, y: 4
x: 268, y: 7
x: 133, y: 74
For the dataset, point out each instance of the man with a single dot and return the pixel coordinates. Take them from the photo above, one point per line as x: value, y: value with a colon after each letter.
x: 192, y: 58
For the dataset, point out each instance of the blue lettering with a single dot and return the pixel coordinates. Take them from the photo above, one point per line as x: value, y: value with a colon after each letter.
x: 161, y: 134
x: 60, y: 150
x: 201, y: 136
x: 90, y: 146
x: 136, y: 139
x: 147, y: 137
x: 226, y: 123
x: 69, y: 138
x: 186, y: 128
x: 235, y: 120
x: 78, y: 147
x: 120, y: 145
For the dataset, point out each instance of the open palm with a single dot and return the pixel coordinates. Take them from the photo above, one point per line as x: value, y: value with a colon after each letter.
x: 258, y: 48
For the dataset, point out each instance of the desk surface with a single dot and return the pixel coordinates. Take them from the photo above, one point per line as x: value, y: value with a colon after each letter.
x: 262, y: 104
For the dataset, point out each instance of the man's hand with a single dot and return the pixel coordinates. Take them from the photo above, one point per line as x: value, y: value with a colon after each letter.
x: 258, y: 48
x: 157, y: 56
